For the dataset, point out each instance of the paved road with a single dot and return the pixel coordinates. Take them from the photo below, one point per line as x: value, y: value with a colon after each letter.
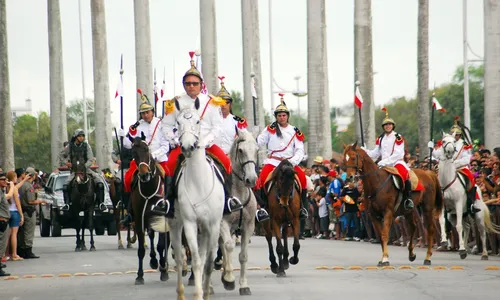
x: 109, y: 274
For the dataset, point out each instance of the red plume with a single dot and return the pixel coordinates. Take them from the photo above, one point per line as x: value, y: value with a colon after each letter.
x: 281, y: 94
x: 457, y: 117
x: 139, y: 91
x: 384, y: 109
x: 191, y: 53
x: 221, y: 78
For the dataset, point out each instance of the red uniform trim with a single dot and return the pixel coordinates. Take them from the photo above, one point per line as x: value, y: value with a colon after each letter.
x: 214, y: 151
x: 268, y: 168
x: 129, y: 176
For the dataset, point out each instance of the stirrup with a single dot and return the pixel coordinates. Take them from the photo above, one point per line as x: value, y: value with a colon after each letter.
x: 161, y: 207
x: 102, y: 207
x: 408, y: 203
x: 264, y: 215
x: 65, y: 207
x: 238, y: 205
x: 303, y: 213
x: 474, y: 209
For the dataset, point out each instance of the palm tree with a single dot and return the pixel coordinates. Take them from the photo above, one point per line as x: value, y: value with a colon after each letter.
x: 6, y: 140
x: 491, y: 73
x: 318, y: 106
x: 363, y: 66
x: 423, y: 78
x: 103, y: 138
x: 58, y: 123
x: 143, y: 55
x: 208, y: 31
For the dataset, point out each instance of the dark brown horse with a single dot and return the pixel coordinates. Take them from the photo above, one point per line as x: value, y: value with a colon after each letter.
x: 383, y: 199
x: 283, y: 199
x: 115, y: 193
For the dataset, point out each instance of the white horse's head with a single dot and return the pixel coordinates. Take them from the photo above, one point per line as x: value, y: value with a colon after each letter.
x: 188, y: 123
x: 243, y: 156
x: 448, y: 145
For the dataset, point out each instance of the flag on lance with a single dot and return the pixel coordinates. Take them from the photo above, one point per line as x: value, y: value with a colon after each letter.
x: 358, y: 99
x: 119, y: 90
x: 436, y: 105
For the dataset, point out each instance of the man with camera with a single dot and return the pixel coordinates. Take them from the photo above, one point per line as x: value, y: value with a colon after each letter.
x: 26, y: 232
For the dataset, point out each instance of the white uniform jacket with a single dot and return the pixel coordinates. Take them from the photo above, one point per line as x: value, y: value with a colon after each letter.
x: 158, y: 143
x: 228, y: 132
x: 462, y: 155
x: 390, y: 149
x: 210, y: 125
x: 289, y: 146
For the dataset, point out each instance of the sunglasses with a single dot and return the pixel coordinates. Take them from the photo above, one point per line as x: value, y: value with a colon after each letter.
x: 473, y: 165
x: 192, y: 83
x: 3, y: 179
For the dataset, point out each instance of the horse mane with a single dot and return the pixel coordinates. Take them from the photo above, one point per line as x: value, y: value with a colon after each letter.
x: 285, y: 174
x: 240, y: 137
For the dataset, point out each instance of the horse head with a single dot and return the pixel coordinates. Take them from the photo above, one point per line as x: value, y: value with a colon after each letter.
x: 79, y: 169
x: 243, y: 156
x: 283, y: 179
x: 448, y: 145
x: 145, y: 162
x: 353, y: 161
x: 188, y: 123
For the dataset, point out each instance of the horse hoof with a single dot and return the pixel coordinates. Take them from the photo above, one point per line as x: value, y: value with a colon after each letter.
x: 184, y: 273
x: 92, y: 249
x: 412, y: 257
x: 274, y: 269
x: 120, y: 247
x: 294, y: 260
x: 463, y: 254
x: 383, y: 264
x: 228, y: 286
x: 217, y: 265
x: 285, y: 264
x: 245, y: 291
x: 164, y: 275
x: 83, y: 248
x: 484, y: 257
x: 129, y: 246
x: 281, y: 274
x: 139, y: 281
x: 191, y: 282
x: 153, y: 263
x: 427, y: 262
x: 77, y: 249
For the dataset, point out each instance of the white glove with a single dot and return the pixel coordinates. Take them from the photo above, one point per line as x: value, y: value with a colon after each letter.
x: 121, y: 132
x: 430, y: 144
x: 381, y: 164
x: 156, y: 153
x: 208, y: 140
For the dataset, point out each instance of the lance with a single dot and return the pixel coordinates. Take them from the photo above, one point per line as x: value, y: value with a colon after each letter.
x: 433, y: 109
x: 120, y: 145
x: 155, y: 90
x: 360, y: 116
x: 163, y: 101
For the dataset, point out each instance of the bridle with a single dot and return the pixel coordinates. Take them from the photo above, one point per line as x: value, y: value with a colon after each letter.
x: 446, y: 152
x: 148, y: 164
x: 242, y: 164
x: 194, y: 130
x: 357, y: 168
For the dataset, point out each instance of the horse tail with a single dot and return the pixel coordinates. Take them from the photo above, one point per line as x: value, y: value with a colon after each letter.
x: 493, y: 228
x: 439, y: 201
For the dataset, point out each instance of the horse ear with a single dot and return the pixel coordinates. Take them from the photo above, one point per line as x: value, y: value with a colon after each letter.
x: 345, y: 146
x: 444, y: 133
x: 197, y: 103
x: 354, y: 145
x: 177, y: 105
x: 143, y: 137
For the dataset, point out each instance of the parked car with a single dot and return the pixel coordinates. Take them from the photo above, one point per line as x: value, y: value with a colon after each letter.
x: 53, y: 218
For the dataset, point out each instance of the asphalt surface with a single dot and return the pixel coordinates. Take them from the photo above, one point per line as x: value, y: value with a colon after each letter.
x: 327, y: 269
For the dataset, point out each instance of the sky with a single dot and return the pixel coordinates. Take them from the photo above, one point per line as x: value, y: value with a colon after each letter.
x: 175, y: 31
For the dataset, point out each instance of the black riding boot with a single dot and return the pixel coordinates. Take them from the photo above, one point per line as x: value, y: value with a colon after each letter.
x: 231, y: 204
x: 127, y: 219
x: 471, y: 197
x: 2, y: 272
x: 66, y: 194
x: 261, y: 214
x: 99, y: 196
x: 408, y: 204
x: 303, y: 204
x: 165, y: 207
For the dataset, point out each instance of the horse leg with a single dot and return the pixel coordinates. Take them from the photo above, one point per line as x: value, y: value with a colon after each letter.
x: 84, y: 224
x: 219, y: 259
x: 153, y: 262
x: 480, y: 222
x: 383, y: 227
x: 118, y: 226
x: 210, y: 242
x: 227, y: 248
x: 459, y: 221
x: 141, y: 252
x: 444, y: 241
x: 269, y: 238
x: 91, y: 227
x: 77, y: 229
x: 160, y: 247
x: 246, y: 234
x: 410, y: 218
x: 191, y: 232
x: 429, y: 218
x: 296, y: 244
x: 176, y: 233
x: 279, y: 250
x: 284, y: 236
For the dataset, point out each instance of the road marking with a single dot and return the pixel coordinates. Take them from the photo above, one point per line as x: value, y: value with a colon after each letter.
x: 492, y: 268
x: 47, y: 275
x: 81, y: 274
x: 254, y: 268
x: 355, y: 268
x: 321, y: 268
x: 338, y: 268
x: 130, y: 272
x: 29, y: 276
x: 150, y: 271
x: 440, y: 268
x: 11, y: 278
x: 457, y: 268
x: 371, y: 268
x: 116, y: 273
x: 405, y: 267
x: 388, y: 268
x: 64, y: 275
x: 423, y: 268
x: 98, y: 274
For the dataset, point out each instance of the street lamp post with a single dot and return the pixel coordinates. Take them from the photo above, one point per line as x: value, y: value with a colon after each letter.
x: 298, y: 93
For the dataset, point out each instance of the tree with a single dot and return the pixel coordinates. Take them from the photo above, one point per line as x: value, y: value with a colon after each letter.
x: 32, y: 141
x: 75, y: 119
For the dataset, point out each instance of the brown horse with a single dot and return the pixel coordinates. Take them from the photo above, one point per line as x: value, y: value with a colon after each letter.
x: 283, y: 197
x: 115, y: 193
x: 383, y: 199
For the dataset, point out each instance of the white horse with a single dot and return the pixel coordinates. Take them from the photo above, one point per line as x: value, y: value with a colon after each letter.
x: 243, y: 156
x: 455, y: 199
x: 199, y: 205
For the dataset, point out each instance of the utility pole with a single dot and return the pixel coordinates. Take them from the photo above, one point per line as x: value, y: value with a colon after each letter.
x: 85, y: 113
x: 466, y: 68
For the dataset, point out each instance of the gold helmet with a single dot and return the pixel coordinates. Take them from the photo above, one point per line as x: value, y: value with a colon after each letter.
x: 223, y: 93
x: 281, y: 107
x: 387, y: 120
x: 145, y: 105
x: 456, y: 128
x: 192, y: 71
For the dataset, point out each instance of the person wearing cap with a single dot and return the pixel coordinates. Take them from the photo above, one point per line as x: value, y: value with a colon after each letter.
x: 151, y: 127
x: 4, y: 215
x: 282, y: 141
x: 78, y: 147
x: 26, y: 233
x: 211, y: 122
x: 461, y: 160
x: 390, y: 148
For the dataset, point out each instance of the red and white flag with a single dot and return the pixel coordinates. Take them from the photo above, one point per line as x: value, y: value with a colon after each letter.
x: 358, y: 99
x: 436, y: 105
x: 163, y: 90
x: 119, y: 90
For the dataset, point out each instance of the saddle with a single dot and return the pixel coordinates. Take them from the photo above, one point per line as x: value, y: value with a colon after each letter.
x: 216, y: 166
x: 268, y: 183
x: 464, y: 180
x: 416, y: 185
